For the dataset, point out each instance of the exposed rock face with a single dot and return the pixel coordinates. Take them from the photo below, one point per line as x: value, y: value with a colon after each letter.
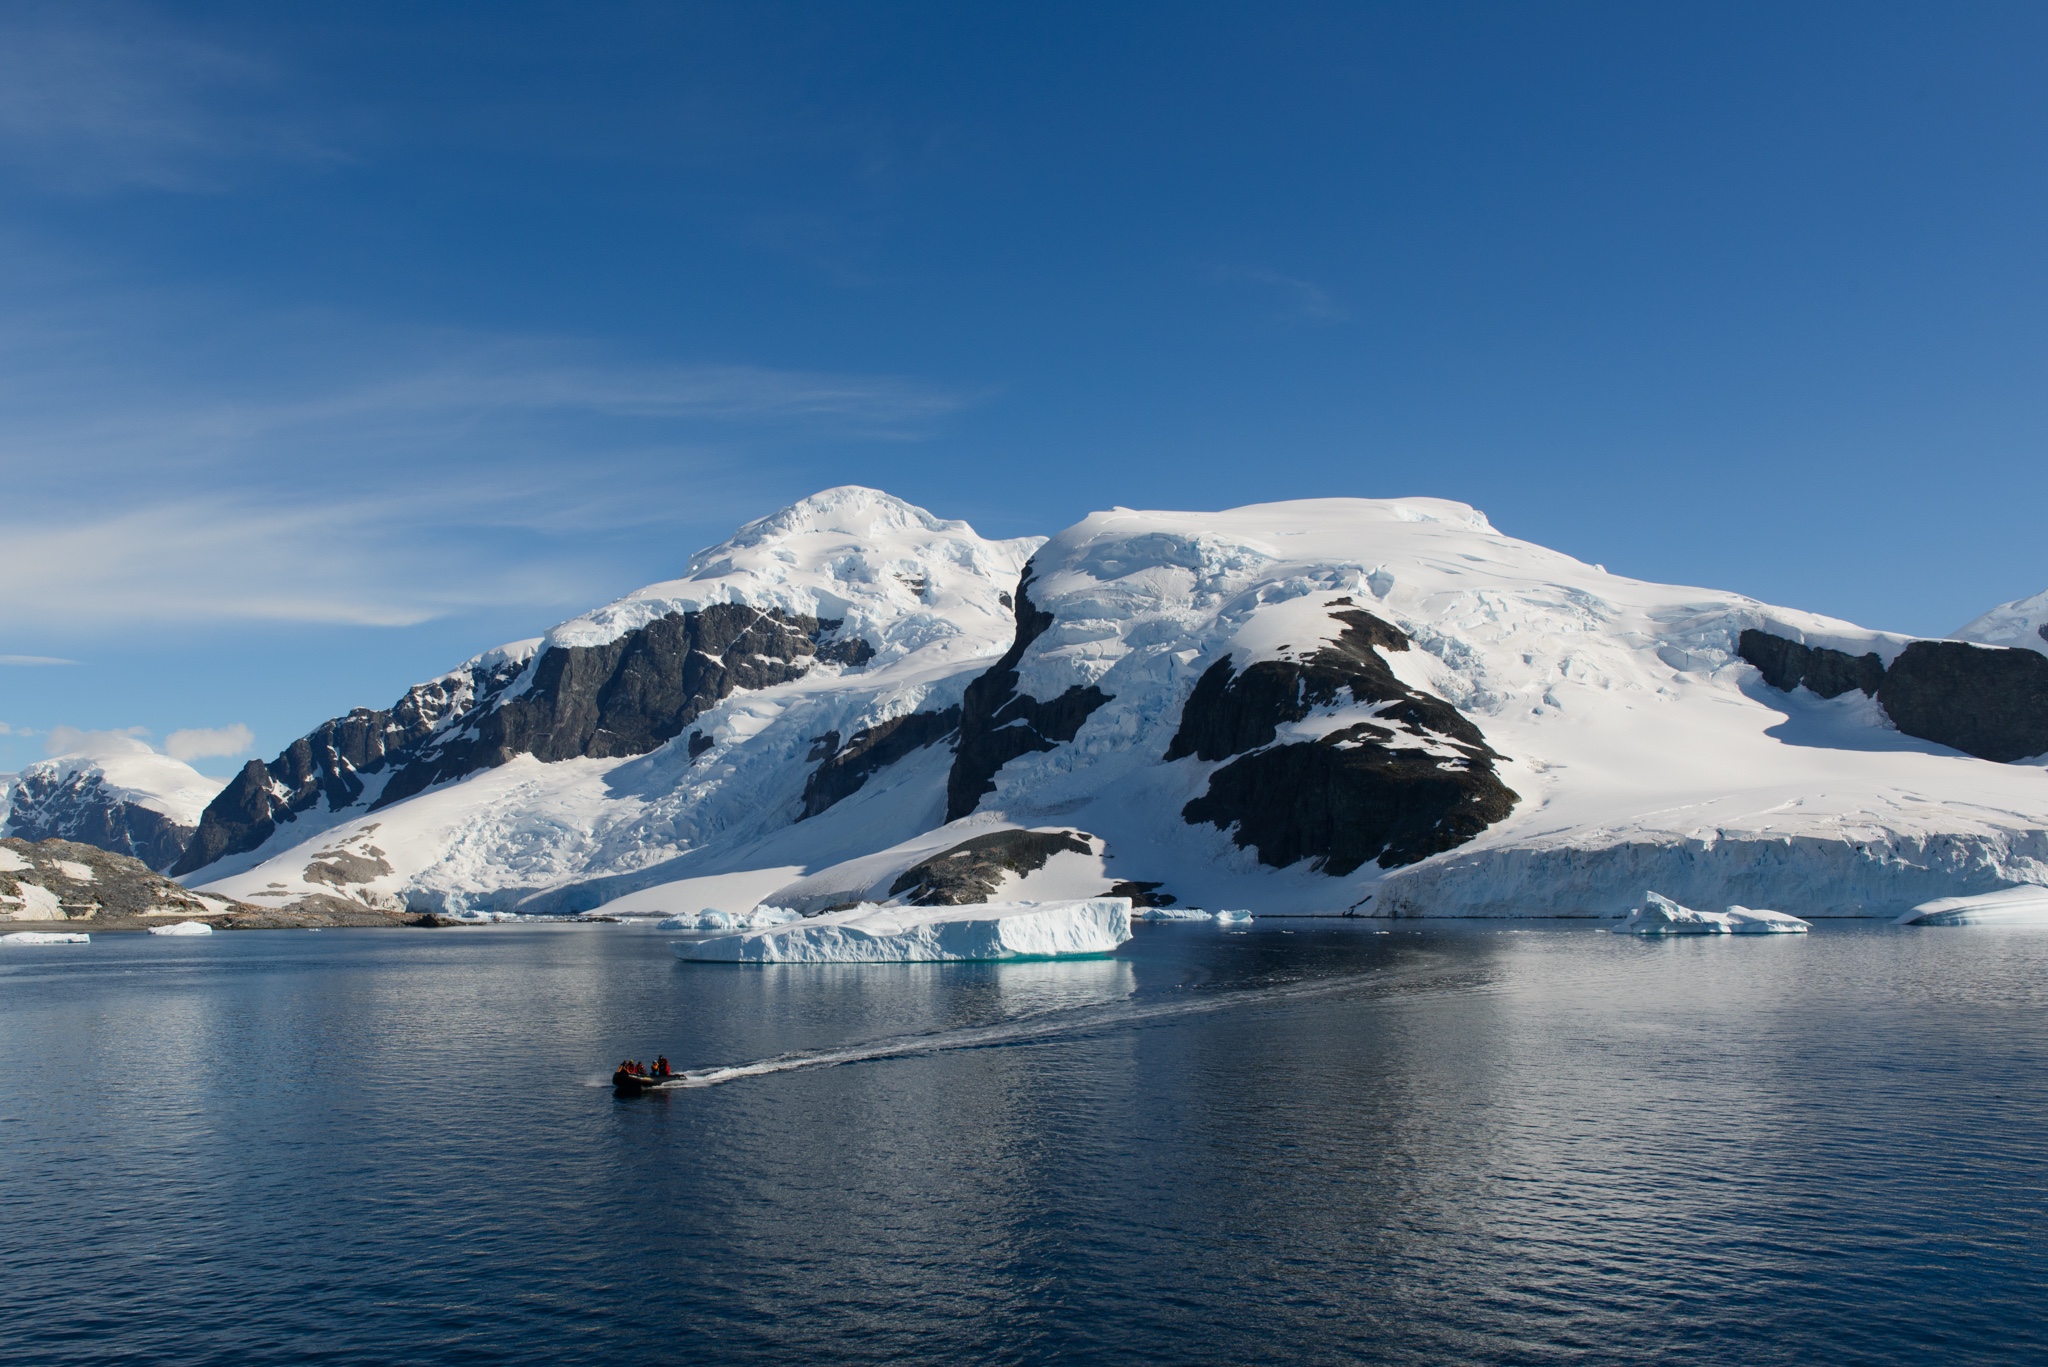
x: 625, y: 697
x: 1987, y: 701
x: 52, y: 803
x: 1415, y: 780
x: 972, y: 870
x: 49, y: 880
x: 1786, y: 665
x: 841, y: 772
x: 999, y: 724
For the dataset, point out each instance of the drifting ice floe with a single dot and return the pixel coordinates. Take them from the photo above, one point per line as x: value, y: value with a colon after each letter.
x: 1189, y: 914
x: 710, y: 918
x: 2006, y: 907
x: 1660, y: 915
x: 183, y: 928
x: 873, y: 934
x: 45, y: 937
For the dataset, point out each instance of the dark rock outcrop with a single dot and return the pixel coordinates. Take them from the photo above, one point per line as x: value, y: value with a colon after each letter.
x: 1143, y: 894
x: 1986, y: 701
x: 999, y: 724
x: 50, y: 803
x: 972, y: 870
x: 625, y: 697
x: 1787, y: 665
x: 841, y: 772
x: 1416, y: 779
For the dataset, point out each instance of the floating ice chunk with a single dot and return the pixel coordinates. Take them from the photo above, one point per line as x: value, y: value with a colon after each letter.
x: 1232, y: 918
x: 183, y: 928
x: 1755, y: 921
x: 875, y: 934
x: 1659, y: 915
x: 45, y: 937
x: 1170, y: 914
x: 2026, y: 906
x: 712, y: 919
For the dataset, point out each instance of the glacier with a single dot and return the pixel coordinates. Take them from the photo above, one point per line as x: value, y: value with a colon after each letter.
x: 875, y: 934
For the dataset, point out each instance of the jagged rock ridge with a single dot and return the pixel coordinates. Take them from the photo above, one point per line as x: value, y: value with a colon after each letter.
x: 999, y: 723
x: 624, y: 697
x: 1987, y: 701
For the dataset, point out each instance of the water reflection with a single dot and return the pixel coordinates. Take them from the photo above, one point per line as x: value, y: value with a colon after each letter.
x: 1463, y: 1143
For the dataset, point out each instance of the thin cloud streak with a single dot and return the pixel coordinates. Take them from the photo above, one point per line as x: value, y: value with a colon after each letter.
x: 100, y: 98
x: 214, y: 560
x: 1307, y: 300
x: 32, y: 662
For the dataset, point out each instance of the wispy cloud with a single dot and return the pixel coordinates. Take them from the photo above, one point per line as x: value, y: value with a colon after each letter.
x: 219, y: 742
x: 422, y: 473
x: 1303, y: 299
x: 32, y: 661
x: 96, y: 97
x: 70, y: 740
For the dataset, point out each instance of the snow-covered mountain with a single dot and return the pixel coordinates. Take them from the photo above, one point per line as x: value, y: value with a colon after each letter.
x: 2023, y: 622
x: 1385, y: 707
x: 120, y: 795
x: 788, y: 684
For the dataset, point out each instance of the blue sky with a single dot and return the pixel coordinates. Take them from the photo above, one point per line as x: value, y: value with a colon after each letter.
x: 338, y: 343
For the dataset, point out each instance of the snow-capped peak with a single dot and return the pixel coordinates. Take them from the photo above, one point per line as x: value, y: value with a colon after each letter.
x: 2022, y: 622
x: 893, y: 573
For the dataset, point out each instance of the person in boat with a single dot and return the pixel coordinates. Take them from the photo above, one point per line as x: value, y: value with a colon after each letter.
x: 661, y: 1068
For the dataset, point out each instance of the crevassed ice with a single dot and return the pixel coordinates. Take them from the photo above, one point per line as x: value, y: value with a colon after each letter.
x: 983, y: 931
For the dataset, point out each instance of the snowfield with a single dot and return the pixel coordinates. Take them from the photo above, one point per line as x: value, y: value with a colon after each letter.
x: 870, y: 934
x: 1626, y: 743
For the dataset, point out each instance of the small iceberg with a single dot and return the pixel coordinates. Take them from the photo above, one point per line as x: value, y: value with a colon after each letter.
x: 870, y: 934
x: 183, y: 928
x: 45, y: 937
x: 1227, y: 918
x: 1659, y: 915
x: 710, y: 918
x: 2026, y: 906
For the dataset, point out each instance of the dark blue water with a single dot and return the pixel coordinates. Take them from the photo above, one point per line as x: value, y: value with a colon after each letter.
x: 1304, y: 1143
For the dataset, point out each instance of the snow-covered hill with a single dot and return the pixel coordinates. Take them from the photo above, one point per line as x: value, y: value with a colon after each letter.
x: 2023, y: 622
x: 120, y: 796
x: 1384, y: 707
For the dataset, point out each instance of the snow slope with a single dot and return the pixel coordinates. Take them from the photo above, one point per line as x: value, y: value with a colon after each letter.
x: 2023, y: 622
x: 928, y: 596
x: 119, y: 795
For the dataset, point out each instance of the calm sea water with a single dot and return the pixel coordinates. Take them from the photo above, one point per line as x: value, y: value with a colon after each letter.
x: 1306, y: 1142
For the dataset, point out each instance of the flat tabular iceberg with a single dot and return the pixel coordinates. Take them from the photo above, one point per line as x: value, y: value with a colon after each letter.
x: 2006, y: 907
x: 1660, y: 915
x: 45, y: 937
x: 874, y: 934
x: 183, y: 928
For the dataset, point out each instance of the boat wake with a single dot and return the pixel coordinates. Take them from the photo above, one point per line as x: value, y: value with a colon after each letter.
x: 1063, y: 1023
